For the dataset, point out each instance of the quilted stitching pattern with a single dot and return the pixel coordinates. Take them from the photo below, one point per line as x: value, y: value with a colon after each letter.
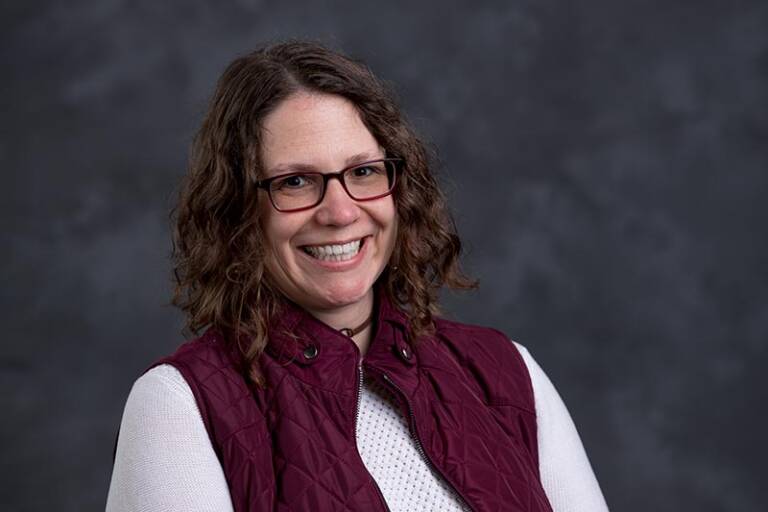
x: 487, y: 450
x: 292, y: 445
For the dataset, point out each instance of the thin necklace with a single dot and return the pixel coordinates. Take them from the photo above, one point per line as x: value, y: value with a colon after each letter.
x: 351, y: 332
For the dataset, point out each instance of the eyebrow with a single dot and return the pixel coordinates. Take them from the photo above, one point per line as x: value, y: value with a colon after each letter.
x: 302, y: 167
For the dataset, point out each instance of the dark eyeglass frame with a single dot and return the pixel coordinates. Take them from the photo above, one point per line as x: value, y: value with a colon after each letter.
x: 397, y: 164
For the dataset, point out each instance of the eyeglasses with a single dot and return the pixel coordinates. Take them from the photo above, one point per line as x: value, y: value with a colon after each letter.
x: 298, y: 191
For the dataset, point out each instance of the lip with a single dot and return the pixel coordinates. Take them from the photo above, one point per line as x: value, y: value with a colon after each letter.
x: 339, y: 266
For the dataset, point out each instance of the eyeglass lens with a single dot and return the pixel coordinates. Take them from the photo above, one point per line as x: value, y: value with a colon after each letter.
x: 304, y: 190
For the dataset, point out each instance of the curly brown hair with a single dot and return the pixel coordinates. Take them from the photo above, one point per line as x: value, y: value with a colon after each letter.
x: 218, y: 245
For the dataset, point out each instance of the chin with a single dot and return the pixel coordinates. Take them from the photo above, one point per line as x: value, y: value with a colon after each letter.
x: 344, y: 294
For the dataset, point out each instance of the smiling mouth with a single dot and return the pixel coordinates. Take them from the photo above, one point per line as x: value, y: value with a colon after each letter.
x: 335, y: 252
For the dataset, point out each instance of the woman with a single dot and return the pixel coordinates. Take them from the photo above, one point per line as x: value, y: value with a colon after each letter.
x: 311, y: 241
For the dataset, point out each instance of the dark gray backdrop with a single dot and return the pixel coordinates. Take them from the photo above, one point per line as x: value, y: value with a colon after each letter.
x: 605, y: 160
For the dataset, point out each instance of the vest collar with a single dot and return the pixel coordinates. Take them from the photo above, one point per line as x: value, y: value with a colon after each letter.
x: 322, y: 355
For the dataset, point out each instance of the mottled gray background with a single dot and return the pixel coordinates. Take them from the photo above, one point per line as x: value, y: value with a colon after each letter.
x: 607, y: 166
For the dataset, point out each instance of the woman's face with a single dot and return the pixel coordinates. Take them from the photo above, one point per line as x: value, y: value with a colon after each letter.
x: 323, y: 133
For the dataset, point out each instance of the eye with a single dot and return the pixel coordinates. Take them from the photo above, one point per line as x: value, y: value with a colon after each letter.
x: 296, y: 181
x: 367, y: 170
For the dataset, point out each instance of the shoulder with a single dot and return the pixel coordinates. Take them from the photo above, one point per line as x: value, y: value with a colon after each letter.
x: 545, y: 394
x: 490, y: 357
x: 209, y: 366
x: 205, y: 351
x: 479, y: 342
x: 163, y: 380
x: 159, y: 399
x: 213, y: 372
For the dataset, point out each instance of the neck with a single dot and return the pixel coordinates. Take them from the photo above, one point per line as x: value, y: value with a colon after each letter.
x: 350, y: 317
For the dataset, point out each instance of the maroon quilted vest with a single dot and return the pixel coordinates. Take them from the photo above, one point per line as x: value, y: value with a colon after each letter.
x: 292, y: 446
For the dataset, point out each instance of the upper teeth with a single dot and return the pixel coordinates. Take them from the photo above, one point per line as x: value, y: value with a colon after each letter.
x: 331, y: 250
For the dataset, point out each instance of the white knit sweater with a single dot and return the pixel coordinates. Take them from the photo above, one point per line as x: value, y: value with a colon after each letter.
x: 165, y: 460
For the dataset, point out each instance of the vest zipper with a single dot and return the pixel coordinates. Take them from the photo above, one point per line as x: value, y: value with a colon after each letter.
x: 357, y: 409
x: 420, y: 448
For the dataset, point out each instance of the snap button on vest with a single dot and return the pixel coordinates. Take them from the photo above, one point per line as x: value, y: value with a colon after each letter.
x: 404, y: 353
x: 310, y: 351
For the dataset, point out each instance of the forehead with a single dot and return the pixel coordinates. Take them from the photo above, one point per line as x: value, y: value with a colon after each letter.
x: 317, y: 130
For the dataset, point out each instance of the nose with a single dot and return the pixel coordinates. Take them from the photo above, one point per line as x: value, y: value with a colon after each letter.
x: 337, y: 208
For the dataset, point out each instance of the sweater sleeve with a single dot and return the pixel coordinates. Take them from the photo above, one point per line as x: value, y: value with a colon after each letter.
x: 566, y: 473
x: 164, y: 459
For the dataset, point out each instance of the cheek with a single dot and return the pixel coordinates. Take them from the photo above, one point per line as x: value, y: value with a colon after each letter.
x: 281, y: 232
x: 276, y: 227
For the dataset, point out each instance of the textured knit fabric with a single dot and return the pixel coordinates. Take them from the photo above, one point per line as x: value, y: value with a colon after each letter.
x: 165, y: 460
x: 391, y: 456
